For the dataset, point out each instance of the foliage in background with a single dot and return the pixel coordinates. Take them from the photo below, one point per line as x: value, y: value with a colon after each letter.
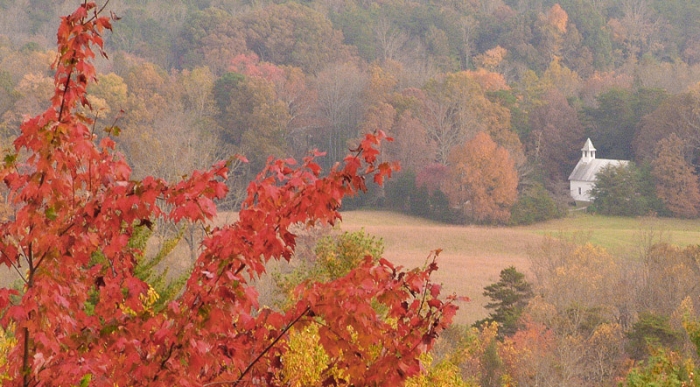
x: 483, y: 181
x: 623, y: 191
x: 334, y: 257
x: 535, y: 205
x: 73, y: 199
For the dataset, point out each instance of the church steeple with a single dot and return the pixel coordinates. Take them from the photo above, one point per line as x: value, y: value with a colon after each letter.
x: 588, y: 151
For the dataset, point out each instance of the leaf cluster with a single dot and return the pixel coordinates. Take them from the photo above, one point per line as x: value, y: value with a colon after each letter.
x: 77, y: 242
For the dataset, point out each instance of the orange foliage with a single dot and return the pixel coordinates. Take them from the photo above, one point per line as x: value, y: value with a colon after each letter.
x: 491, y: 58
x: 483, y: 179
x: 488, y: 80
x: 557, y: 18
x: 528, y: 355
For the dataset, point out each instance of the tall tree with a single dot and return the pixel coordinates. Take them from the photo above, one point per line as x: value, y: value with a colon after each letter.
x: 676, y: 182
x: 83, y: 317
x: 483, y: 180
x: 454, y: 108
x: 612, y: 124
x: 679, y: 115
x: 555, y: 136
x: 340, y: 88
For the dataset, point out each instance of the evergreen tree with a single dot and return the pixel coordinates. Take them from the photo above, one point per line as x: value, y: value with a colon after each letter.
x: 509, y: 296
x: 622, y: 191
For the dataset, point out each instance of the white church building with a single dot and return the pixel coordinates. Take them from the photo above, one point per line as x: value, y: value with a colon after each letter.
x: 582, y: 179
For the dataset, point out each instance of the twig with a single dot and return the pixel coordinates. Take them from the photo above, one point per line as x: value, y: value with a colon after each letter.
x: 265, y: 351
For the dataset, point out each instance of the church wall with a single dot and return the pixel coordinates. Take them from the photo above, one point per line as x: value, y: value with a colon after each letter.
x: 584, y: 187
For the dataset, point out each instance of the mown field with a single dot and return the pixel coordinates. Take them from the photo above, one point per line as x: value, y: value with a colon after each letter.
x: 473, y: 256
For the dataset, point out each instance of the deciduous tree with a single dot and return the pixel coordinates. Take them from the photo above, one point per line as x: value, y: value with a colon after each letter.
x: 679, y: 115
x: 483, y: 180
x: 83, y: 317
x: 676, y: 182
x: 294, y: 34
x: 555, y: 136
x: 454, y: 108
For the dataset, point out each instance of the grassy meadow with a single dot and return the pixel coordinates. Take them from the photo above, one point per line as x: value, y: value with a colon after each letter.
x: 473, y: 256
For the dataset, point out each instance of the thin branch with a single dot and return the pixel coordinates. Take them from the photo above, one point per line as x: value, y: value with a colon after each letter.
x: 65, y: 91
x: 16, y: 267
x: 25, y: 356
x: 265, y: 351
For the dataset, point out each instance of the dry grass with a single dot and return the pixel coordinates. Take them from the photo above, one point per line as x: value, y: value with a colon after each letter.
x: 473, y: 256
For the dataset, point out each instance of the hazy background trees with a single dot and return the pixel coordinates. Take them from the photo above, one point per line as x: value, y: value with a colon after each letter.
x: 263, y: 78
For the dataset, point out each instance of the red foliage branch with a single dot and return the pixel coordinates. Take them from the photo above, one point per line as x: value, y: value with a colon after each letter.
x: 80, y: 314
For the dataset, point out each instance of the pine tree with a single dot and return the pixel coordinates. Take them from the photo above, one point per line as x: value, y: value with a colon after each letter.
x: 509, y: 297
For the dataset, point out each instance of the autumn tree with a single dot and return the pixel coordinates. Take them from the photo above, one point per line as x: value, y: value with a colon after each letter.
x: 579, y: 300
x: 551, y: 28
x: 670, y: 273
x: 83, y: 317
x: 530, y: 355
x: 637, y: 31
x: 339, y: 106
x: 483, y: 180
x: 210, y: 37
x: 411, y: 147
x: 677, y: 114
x: 555, y: 133
x: 293, y: 34
x: 454, y: 108
x: 676, y: 181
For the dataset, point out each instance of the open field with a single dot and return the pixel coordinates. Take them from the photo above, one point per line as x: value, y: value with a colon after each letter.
x: 473, y: 256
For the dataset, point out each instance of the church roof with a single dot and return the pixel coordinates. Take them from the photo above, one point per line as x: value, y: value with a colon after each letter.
x: 586, y: 171
x: 588, y: 146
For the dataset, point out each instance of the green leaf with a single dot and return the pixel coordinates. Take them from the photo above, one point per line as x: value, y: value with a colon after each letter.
x: 50, y: 213
x: 85, y: 381
x: 113, y: 130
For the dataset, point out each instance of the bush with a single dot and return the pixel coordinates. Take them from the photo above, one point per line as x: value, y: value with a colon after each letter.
x: 624, y: 191
x: 536, y: 205
x: 402, y: 194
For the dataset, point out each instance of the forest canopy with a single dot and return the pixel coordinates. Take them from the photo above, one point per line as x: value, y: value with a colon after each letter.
x: 270, y: 78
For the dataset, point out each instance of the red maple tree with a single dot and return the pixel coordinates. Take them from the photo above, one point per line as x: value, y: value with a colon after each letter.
x: 80, y: 317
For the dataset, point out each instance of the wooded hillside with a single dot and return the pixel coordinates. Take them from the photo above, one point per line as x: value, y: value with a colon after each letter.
x: 191, y: 81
